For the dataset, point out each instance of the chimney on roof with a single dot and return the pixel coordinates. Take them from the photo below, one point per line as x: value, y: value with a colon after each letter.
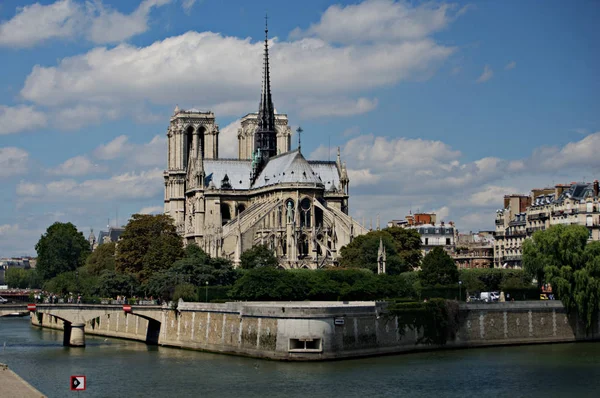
x: 596, y: 188
x: 558, y: 190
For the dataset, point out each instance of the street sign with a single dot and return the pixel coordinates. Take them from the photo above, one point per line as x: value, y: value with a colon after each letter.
x: 30, y: 307
x: 338, y: 321
x: 77, y: 383
x: 127, y: 308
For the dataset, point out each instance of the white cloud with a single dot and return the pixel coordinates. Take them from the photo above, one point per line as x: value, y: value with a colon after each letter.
x: 35, y: 23
x: 13, y: 161
x: 67, y: 19
x: 166, y: 72
x: 337, y: 107
x: 75, y: 117
x: 228, y: 141
x: 113, y: 149
x: 380, y: 20
x: 20, y: 118
x: 187, y: 6
x: 76, y: 166
x: 153, y: 153
x: 142, y: 185
x: 511, y: 65
x: 583, y: 153
x: 151, y: 210
x: 362, y: 177
x: 491, y: 195
x: 486, y: 75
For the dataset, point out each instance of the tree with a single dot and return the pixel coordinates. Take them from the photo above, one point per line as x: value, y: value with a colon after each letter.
x: 257, y: 257
x: 149, y: 244
x: 558, y: 246
x: 103, y: 258
x: 362, y: 253
x: 61, y: 249
x: 197, y: 268
x: 17, y: 278
x: 408, y: 245
x: 438, y: 268
x: 561, y: 255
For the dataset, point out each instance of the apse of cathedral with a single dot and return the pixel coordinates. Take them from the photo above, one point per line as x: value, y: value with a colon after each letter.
x: 270, y: 195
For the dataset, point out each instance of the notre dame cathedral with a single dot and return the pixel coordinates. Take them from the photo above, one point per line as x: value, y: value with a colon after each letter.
x: 270, y: 195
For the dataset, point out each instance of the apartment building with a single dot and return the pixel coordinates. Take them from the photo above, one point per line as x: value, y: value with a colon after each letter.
x: 522, y: 216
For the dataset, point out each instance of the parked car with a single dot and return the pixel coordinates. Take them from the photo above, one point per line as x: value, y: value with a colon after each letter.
x: 3, y: 300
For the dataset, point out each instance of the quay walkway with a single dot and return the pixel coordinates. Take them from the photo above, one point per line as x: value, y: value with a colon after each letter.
x: 13, y: 386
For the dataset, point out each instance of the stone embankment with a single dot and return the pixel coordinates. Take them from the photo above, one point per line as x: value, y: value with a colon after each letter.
x: 13, y: 386
x: 312, y: 331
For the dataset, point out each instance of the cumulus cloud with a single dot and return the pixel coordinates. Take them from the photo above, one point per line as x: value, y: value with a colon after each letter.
x: 228, y: 141
x: 20, y: 118
x: 511, y: 65
x: 13, y: 161
x: 486, y: 75
x: 76, y: 166
x: 151, y: 210
x: 380, y: 20
x: 337, y: 107
x: 582, y: 153
x: 140, y: 185
x: 109, y: 82
x: 152, y: 153
x: 67, y: 19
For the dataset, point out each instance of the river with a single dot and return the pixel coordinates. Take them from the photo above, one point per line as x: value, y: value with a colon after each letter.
x: 120, y: 368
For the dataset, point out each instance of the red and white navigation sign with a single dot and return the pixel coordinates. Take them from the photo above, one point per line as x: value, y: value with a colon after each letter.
x: 77, y: 383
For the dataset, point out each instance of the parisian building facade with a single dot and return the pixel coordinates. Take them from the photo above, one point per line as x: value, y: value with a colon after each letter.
x: 269, y: 195
x: 522, y: 215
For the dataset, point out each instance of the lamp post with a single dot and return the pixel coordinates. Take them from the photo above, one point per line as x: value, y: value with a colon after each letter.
x: 77, y: 284
x: 459, y: 284
x: 206, y: 290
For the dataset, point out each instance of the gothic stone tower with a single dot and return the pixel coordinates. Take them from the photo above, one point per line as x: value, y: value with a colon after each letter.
x: 192, y: 137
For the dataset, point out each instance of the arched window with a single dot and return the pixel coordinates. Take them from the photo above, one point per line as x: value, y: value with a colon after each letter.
x: 305, y: 213
x: 187, y: 145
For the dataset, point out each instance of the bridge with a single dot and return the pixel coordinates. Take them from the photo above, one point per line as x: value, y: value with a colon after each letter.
x: 77, y: 317
x: 13, y: 309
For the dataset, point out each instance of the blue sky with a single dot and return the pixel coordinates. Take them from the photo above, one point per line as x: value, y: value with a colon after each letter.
x: 437, y: 106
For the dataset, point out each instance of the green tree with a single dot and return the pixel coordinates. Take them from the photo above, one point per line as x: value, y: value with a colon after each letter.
x: 103, y: 258
x: 185, y: 291
x: 197, y: 268
x: 149, y: 244
x: 408, y: 245
x: 17, y: 278
x: 61, y: 249
x: 560, y: 245
x: 362, y: 253
x: 112, y: 284
x: 257, y: 257
x: 570, y: 264
x: 438, y: 268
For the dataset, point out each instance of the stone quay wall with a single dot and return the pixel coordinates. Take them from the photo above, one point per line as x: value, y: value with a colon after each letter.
x: 305, y: 331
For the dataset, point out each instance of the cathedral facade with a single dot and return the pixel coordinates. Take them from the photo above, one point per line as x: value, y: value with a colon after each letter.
x: 269, y: 195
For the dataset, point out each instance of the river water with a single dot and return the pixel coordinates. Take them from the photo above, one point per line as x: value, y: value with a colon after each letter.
x: 120, y: 368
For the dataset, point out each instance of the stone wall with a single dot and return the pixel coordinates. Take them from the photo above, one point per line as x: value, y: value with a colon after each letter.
x: 330, y: 330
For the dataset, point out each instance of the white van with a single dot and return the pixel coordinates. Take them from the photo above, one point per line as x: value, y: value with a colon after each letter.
x: 489, y: 297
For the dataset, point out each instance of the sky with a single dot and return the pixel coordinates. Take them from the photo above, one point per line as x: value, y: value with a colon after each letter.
x: 436, y: 106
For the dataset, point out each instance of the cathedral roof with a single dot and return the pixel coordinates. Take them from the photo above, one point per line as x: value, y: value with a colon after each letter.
x: 289, y: 167
x: 328, y: 172
x: 237, y: 171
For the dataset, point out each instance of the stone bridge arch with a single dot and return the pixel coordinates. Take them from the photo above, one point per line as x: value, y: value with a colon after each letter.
x: 97, y: 318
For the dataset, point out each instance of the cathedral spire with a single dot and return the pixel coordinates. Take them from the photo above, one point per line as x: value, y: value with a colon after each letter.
x: 266, y: 134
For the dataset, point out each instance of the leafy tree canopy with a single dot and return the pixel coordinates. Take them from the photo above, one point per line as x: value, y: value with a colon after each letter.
x: 408, y: 245
x: 557, y: 246
x: 561, y: 255
x: 257, y: 257
x: 61, y: 249
x: 19, y: 278
x: 362, y: 253
x: 103, y: 258
x: 438, y: 268
x: 149, y: 244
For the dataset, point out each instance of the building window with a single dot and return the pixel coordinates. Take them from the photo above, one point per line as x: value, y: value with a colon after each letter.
x: 305, y: 345
x: 426, y: 241
x: 447, y: 241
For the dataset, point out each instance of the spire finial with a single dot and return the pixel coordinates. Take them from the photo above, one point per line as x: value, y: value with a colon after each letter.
x: 299, y: 131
